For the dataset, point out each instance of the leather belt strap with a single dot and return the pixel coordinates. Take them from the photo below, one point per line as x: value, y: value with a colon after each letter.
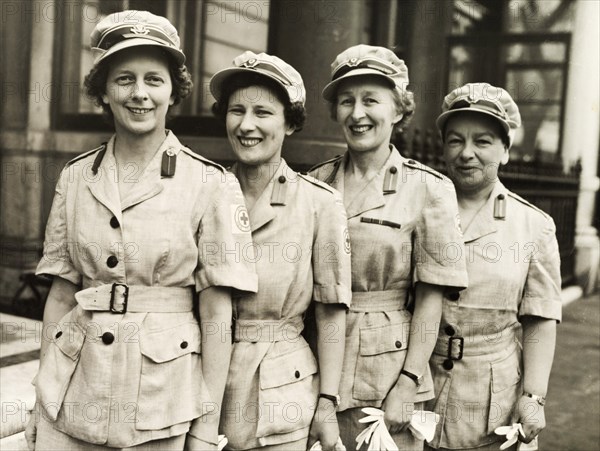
x: 267, y: 331
x: 378, y: 301
x: 455, y: 347
x: 121, y: 298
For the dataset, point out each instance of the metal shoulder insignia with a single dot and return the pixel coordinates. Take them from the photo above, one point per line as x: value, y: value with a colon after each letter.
x: 100, y: 149
x: 416, y: 165
x: 317, y: 182
x: 197, y: 157
x: 529, y: 204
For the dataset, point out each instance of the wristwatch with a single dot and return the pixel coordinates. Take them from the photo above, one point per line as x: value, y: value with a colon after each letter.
x: 335, y: 399
x: 416, y: 379
x: 539, y: 399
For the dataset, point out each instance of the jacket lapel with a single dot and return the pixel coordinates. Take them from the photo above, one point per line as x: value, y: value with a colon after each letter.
x: 103, y: 185
x: 484, y: 222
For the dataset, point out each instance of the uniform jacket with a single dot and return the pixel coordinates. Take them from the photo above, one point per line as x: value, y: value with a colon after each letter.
x: 514, y: 270
x: 403, y: 229
x: 145, y: 382
x: 302, y: 254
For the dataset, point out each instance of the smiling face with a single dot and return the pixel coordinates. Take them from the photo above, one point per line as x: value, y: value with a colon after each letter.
x: 139, y: 90
x: 473, y: 151
x: 256, y: 125
x: 367, y: 112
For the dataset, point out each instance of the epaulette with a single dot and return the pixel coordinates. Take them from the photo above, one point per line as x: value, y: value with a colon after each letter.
x: 416, y: 165
x: 317, y: 182
x: 101, y: 148
x: 323, y: 163
x: 194, y: 155
x: 529, y: 204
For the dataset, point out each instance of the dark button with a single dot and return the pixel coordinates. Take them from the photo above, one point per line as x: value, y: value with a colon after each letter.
x: 297, y: 374
x: 281, y: 179
x: 448, y: 364
x: 398, y: 344
x: 107, y: 338
x: 114, y: 222
x: 112, y: 261
x: 501, y: 196
x: 183, y: 345
x: 449, y: 330
x: 393, y: 169
x: 411, y: 162
x: 58, y: 334
x: 453, y: 295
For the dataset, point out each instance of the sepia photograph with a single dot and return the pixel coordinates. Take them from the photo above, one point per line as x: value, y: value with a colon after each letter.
x: 300, y: 225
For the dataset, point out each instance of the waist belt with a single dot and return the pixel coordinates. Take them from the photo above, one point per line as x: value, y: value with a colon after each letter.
x: 378, y: 301
x: 455, y: 347
x: 267, y: 331
x: 121, y: 298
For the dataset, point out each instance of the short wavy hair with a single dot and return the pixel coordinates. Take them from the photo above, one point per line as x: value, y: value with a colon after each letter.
x: 405, y: 105
x: 294, y: 112
x: 95, y: 83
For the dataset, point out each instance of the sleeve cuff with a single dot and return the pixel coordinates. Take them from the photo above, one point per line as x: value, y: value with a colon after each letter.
x: 332, y: 294
x: 446, y: 277
x: 241, y: 281
x: 544, y: 308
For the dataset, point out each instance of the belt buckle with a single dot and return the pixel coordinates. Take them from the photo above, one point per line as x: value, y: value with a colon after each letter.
x: 113, y: 292
x: 461, y: 346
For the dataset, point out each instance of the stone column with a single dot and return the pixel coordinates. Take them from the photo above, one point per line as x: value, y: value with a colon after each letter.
x: 308, y: 35
x: 582, y: 131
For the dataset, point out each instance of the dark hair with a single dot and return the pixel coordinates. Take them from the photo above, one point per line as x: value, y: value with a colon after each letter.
x: 95, y: 83
x: 405, y: 105
x: 294, y: 113
x: 490, y: 120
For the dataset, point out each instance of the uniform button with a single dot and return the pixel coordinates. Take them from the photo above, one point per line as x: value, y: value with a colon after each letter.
x: 393, y: 169
x: 114, y: 222
x: 112, y: 261
x: 411, y: 162
x: 449, y: 330
x: 183, y: 345
x: 58, y: 334
x: 282, y: 179
x: 398, y: 344
x: 297, y: 374
x: 448, y: 364
x: 453, y: 295
x: 107, y: 338
x: 501, y: 196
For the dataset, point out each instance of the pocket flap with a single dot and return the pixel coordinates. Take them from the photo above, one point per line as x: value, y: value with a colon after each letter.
x: 168, y: 344
x: 380, y: 339
x: 506, y: 372
x: 70, y: 339
x: 286, y: 368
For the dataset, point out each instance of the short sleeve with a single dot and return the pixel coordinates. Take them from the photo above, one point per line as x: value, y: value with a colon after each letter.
x: 56, y: 259
x: 331, y: 254
x: 541, y: 295
x: 225, y: 248
x: 439, y: 254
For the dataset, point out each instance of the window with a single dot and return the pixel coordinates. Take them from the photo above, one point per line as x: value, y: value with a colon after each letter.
x: 212, y: 33
x: 523, y: 47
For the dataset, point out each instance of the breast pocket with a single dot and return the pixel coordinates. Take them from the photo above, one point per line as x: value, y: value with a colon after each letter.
x: 288, y: 392
x: 58, y: 365
x: 172, y: 389
x: 382, y: 351
x: 505, y: 389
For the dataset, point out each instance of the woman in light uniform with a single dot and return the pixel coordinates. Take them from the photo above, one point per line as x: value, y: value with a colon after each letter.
x: 302, y: 255
x: 130, y: 241
x: 405, y: 239
x: 485, y: 374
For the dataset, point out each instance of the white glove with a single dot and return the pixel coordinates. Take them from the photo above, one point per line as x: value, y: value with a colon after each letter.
x: 222, y: 442
x: 339, y: 446
x: 422, y: 427
x: 512, y: 435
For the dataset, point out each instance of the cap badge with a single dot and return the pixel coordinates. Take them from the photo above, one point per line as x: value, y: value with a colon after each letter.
x: 139, y: 29
x: 252, y: 62
x: 353, y: 62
